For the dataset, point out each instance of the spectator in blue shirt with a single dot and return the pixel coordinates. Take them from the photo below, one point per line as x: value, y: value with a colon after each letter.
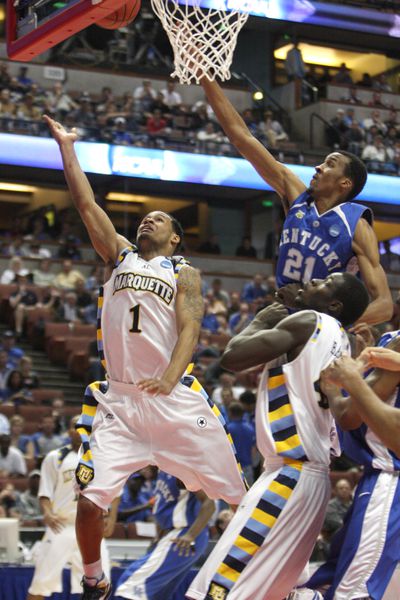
x: 14, y: 354
x: 254, y: 291
x: 244, y: 438
x: 134, y: 505
x: 210, y: 321
x: 238, y: 321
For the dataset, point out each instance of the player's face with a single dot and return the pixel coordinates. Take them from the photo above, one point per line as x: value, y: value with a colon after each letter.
x: 317, y: 294
x: 330, y: 178
x: 156, y: 227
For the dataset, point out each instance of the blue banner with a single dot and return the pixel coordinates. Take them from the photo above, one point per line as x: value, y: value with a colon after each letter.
x: 167, y: 165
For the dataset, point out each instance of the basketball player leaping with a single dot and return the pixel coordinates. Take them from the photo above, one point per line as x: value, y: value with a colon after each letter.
x: 323, y: 232
x: 271, y: 536
x: 149, y: 321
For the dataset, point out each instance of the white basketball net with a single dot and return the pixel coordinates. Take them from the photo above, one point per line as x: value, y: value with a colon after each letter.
x: 203, y: 40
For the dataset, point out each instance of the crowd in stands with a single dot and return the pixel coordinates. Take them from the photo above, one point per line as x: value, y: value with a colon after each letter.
x: 375, y: 140
x: 146, y: 116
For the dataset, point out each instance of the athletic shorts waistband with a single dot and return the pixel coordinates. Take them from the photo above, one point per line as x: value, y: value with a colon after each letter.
x: 274, y: 463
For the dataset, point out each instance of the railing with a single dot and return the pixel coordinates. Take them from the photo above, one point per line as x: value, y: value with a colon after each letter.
x: 314, y: 116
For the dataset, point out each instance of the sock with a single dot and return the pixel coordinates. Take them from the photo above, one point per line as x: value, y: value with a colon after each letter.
x: 93, y: 572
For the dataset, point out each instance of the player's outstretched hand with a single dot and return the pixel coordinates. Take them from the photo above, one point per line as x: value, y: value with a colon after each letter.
x: 287, y: 294
x: 381, y: 358
x: 58, y: 131
x: 155, y: 386
x: 184, y: 544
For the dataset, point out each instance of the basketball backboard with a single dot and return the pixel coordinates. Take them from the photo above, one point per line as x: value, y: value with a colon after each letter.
x: 34, y: 26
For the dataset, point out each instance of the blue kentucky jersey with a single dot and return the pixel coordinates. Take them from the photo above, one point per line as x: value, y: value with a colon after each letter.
x: 362, y: 445
x: 174, y: 507
x: 312, y: 245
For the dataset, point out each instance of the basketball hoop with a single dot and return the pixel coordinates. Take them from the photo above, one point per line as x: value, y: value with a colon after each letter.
x: 203, y: 40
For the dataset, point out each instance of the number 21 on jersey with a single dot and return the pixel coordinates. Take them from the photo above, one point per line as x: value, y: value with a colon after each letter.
x: 135, y: 310
x: 297, y: 267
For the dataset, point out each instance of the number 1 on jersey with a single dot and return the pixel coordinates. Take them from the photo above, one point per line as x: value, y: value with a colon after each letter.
x: 135, y: 310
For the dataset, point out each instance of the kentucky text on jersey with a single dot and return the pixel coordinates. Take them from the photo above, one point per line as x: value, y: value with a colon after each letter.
x: 313, y: 243
x: 144, y: 283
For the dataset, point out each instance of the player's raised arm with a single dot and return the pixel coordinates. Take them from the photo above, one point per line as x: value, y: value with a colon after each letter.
x: 99, y: 227
x: 382, y: 419
x: 244, y: 351
x: 365, y: 246
x: 279, y: 177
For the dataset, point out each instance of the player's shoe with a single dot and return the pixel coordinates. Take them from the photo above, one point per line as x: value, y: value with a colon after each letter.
x: 101, y: 591
x: 305, y: 594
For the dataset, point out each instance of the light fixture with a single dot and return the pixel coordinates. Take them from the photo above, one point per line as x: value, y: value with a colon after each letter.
x: 17, y: 187
x: 122, y: 197
x: 258, y: 96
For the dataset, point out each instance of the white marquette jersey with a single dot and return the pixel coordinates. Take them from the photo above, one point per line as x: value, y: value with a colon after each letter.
x: 293, y: 420
x: 137, y: 321
x: 57, y: 476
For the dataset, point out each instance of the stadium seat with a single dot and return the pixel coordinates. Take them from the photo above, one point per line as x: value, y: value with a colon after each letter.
x: 8, y: 410
x: 34, y: 413
x: 46, y: 395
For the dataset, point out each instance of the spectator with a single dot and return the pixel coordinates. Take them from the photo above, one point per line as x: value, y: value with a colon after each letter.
x: 8, y: 108
x: 35, y: 250
x: 58, y: 102
x: 15, y: 267
x: 23, y: 79
x: 172, y: 98
x: 365, y: 81
x: 244, y: 438
x: 223, y: 519
x: 209, y: 321
x: 61, y: 421
x: 376, y: 100
x: 248, y: 401
x: 134, y: 505
x: 17, y: 248
x: 246, y: 249
x: 159, y: 104
x: 210, y: 246
x: 22, y: 301
x: 210, y: 140
x: 156, y: 126
x: 205, y: 348
x: 218, y: 293
x: 352, y: 96
x: 144, y: 96
x: 390, y: 261
x: 29, y: 376
x: 42, y: 277
x: 5, y: 76
x: 271, y: 130
x: 16, y: 392
x: 69, y: 250
x: 294, y: 64
x: 68, y: 310
x: 392, y: 120
x: 375, y: 120
x: 338, y: 507
x: 27, y: 502
x: 95, y: 279
x: 19, y: 440
x: 14, y: 354
x: 84, y: 114
x: 322, y: 82
x: 250, y: 120
x: 349, y: 116
x: 254, y: 291
x: 238, y: 321
x: 119, y: 135
x: 38, y: 230
x: 66, y: 280
x: 5, y: 426
x: 46, y: 439
x: 4, y: 373
x: 338, y: 127
x: 381, y: 84
x: 226, y: 386
x: 375, y: 155
x: 12, y: 461
x: 28, y: 111
x: 343, y: 76
x: 354, y: 138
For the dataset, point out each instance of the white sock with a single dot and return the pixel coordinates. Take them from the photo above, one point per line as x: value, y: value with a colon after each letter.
x: 93, y: 572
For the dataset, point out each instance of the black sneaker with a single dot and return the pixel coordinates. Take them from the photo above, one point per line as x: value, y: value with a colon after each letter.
x: 101, y: 591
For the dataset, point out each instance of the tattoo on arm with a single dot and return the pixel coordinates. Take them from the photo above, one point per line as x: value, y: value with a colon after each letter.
x: 189, y: 283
